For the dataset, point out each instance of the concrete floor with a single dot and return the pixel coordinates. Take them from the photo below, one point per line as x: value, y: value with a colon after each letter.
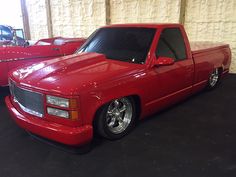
x: 196, y: 138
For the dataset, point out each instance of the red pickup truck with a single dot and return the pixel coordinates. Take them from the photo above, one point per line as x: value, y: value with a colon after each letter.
x: 121, y: 74
x: 12, y: 57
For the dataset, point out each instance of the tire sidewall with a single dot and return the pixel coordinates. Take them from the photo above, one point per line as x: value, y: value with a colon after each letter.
x: 209, y: 86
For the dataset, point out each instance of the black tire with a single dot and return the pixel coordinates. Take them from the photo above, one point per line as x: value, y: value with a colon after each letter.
x: 102, y: 119
x: 214, y: 79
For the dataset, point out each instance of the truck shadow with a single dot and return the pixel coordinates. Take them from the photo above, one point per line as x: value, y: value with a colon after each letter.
x: 4, y: 91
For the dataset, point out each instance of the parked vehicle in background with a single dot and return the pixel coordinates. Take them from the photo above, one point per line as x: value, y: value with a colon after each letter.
x: 121, y: 74
x: 44, y: 49
x: 11, y: 36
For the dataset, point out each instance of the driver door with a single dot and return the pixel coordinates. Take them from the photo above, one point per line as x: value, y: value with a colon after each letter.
x: 173, y: 82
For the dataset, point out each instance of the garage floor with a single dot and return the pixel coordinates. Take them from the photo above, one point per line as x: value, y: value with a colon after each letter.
x: 196, y: 138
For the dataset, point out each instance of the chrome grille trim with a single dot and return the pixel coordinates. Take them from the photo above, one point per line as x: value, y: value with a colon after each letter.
x: 29, y: 101
x: 28, y: 110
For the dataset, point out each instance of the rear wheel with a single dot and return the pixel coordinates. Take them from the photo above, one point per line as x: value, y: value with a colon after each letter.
x: 213, y: 79
x: 116, y: 118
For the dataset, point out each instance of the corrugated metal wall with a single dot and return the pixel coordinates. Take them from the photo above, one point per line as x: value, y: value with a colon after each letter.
x: 211, y: 20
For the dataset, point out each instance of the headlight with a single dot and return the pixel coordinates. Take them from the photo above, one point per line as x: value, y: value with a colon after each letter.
x: 64, y: 107
x: 58, y: 101
x: 58, y: 112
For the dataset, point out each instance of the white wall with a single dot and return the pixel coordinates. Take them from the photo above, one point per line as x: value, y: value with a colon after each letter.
x: 7, y: 17
x: 76, y: 18
x: 37, y: 19
x: 144, y: 11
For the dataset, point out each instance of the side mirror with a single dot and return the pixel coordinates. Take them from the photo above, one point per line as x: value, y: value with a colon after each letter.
x: 164, y: 61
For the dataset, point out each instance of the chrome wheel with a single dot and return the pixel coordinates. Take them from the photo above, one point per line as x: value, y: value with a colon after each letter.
x: 119, y: 115
x: 214, y: 78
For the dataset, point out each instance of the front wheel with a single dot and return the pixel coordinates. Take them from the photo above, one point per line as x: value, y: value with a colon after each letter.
x: 116, y: 118
x: 213, y: 79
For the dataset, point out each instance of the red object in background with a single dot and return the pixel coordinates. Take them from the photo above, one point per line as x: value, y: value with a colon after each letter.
x: 92, y: 80
x: 12, y: 57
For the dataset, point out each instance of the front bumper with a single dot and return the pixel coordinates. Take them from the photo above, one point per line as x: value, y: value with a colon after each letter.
x: 74, y: 136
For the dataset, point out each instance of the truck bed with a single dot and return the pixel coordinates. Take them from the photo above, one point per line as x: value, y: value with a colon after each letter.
x: 203, y: 46
x: 207, y: 56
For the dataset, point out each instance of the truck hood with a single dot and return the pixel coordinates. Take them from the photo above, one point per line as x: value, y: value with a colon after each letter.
x: 71, y: 74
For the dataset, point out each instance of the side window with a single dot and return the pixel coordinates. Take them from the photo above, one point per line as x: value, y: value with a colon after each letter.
x: 5, y: 34
x: 171, y: 44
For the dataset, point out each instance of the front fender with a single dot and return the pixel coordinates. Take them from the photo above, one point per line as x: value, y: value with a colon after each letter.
x: 93, y: 100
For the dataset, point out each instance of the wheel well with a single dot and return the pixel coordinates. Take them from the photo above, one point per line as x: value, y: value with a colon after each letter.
x: 220, y: 70
x: 137, y: 103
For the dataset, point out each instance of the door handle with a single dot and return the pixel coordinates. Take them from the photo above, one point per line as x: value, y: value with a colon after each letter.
x: 56, y: 49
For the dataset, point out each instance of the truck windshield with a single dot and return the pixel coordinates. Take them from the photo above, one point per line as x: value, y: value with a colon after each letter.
x: 124, y: 44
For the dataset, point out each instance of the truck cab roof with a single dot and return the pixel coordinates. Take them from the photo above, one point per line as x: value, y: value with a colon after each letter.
x: 146, y: 25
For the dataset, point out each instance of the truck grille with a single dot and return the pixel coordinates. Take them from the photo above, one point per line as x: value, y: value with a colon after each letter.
x: 30, y: 102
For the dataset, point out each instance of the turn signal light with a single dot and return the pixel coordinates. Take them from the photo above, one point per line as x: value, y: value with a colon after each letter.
x: 74, y: 115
